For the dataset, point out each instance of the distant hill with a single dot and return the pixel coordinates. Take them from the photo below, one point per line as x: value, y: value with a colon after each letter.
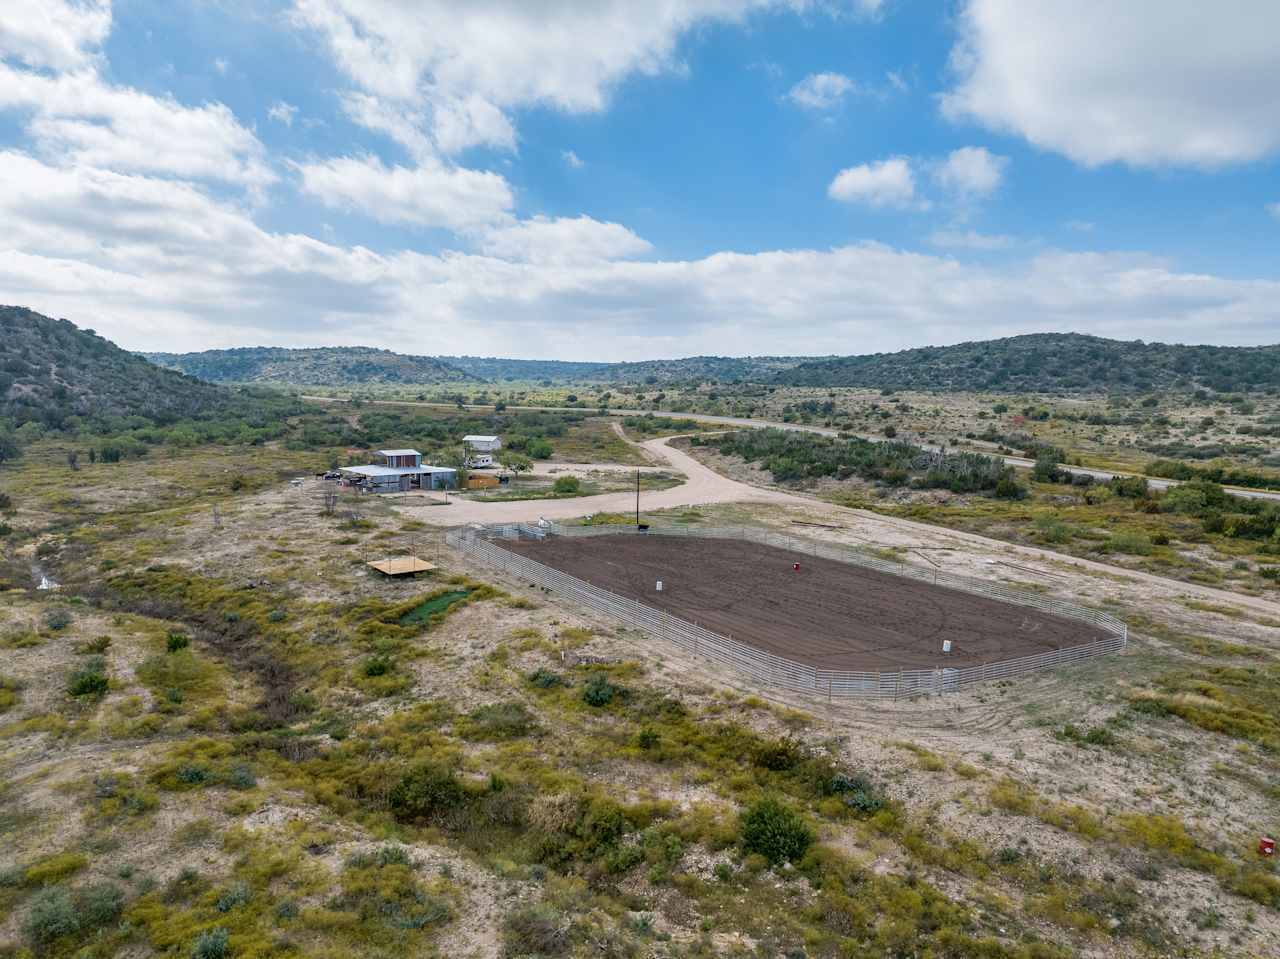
x: 362, y: 365
x: 1050, y: 362
x: 715, y: 369
x: 322, y: 366
x: 52, y: 371
x: 493, y: 369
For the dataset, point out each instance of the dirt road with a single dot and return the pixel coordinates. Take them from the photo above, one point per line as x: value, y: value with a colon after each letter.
x: 704, y: 486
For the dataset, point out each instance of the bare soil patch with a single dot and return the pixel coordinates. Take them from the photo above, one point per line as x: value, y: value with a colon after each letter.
x: 828, y: 614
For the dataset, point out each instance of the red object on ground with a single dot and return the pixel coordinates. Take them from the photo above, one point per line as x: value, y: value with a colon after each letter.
x: 796, y: 567
x: 1266, y: 846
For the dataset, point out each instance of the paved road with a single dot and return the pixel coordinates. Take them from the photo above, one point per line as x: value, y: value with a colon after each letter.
x: 1019, y: 461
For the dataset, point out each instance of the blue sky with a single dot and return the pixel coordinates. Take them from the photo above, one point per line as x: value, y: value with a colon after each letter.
x: 620, y: 180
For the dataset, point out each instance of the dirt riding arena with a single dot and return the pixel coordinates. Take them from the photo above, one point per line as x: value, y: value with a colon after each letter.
x: 828, y: 614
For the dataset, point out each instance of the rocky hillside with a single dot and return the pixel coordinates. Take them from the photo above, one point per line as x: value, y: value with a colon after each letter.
x: 1050, y: 362
x: 52, y: 372
x: 323, y: 366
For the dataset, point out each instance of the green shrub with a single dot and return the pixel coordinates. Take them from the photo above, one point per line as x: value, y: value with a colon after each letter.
x: 57, y: 619
x: 779, y: 754
x: 566, y: 485
x: 498, y: 721
x: 52, y: 915
x: 212, y: 944
x: 426, y: 791
x: 857, y: 791
x: 1129, y: 541
x: 94, y: 647
x: 236, y: 895
x: 1009, y: 488
x: 774, y: 831
x: 192, y: 774
x: 100, y: 903
x: 546, y: 679
x: 535, y: 931
x: 242, y: 777
x: 176, y: 641
x: 90, y: 679
x: 598, y: 691
x: 378, y: 666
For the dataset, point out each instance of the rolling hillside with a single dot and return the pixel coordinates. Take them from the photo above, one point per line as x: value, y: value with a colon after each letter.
x: 51, y: 371
x: 1050, y: 362
x: 322, y: 366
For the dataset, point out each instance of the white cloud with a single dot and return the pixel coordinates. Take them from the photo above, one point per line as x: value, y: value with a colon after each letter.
x: 1274, y: 209
x: 897, y: 81
x: 971, y: 172
x: 885, y: 183
x: 77, y: 118
x: 282, y: 112
x: 221, y: 64
x: 156, y: 264
x: 58, y: 34
x: 970, y: 240
x: 456, y: 70
x: 1145, y: 82
x: 1081, y: 226
x: 563, y: 240
x: 572, y: 159
x: 432, y: 194
x: 821, y: 91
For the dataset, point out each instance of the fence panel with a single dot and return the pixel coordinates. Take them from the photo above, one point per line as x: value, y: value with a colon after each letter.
x: 768, y: 668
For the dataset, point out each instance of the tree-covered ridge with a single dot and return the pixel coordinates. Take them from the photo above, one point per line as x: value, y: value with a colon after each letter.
x: 362, y: 365
x: 55, y: 374
x: 1050, y: 362
x: 321, y: 366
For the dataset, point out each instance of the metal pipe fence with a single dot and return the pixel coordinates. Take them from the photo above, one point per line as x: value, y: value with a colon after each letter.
x: 765, y: 667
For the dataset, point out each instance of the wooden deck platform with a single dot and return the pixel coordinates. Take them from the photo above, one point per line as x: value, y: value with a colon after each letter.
x: 401, y: 565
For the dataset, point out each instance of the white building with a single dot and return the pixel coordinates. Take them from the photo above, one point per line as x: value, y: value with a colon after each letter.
x: 480, y: 450
x: 399, y: 471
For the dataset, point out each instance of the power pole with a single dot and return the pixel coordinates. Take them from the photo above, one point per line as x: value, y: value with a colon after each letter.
x: 637, y: 496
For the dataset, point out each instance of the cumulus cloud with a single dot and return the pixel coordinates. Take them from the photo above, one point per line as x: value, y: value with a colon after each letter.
x: 458, y: 69
x: 78, y: 118
x: 971, y: 172
x: 572, y: 159
x: 885, y: 183
x: 432, y: 194
x: 563, y: 240
x: 57, y: 34
x: 821, y: 91
x: 1145, y: 82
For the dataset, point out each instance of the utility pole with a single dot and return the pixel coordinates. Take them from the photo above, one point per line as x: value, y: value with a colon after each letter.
x: 637, y: 497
